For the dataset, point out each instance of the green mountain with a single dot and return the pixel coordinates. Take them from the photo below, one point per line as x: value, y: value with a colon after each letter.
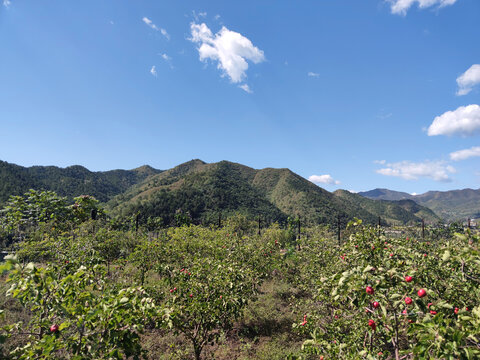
x: 392, y: 212
x: 71, y: 181
x: 449, y: 205
x: 205, y: 190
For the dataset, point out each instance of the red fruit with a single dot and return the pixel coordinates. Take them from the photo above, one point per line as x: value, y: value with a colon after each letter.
x: 376, y: 304
x: 220, y: 296
x: 391, y: 254
x: 54, y: 328
x: 421, y: 293
x: 424, y: 255
x: 408, y: 278
x: 171, y: 290
x: 408, y: 239
x: 372, y: 324
x: 191, y: 295
x: 404, y: 312
x: 369, y: 290
x: 175, y: 289
x: 408, y: 300
x: 456, y: 310
x: 433, y: 312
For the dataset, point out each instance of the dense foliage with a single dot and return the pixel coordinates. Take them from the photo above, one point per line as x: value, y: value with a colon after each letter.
x: 81, y: 286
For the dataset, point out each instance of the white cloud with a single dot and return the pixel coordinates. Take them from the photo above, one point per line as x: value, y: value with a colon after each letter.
x: 463, y: 121
x: 229, y: 48
x: 381, y: 162
x: 217, y: 17
x: 465, y: 154
x: 155, y: 27
x: 313, y: 74
x: 323, y: 179
x: 468, y: 80
x: 6, y: 3
x: 153, y: 71
x: 436, y: 170
x: 246, y: 88
x: 401, y: 6
x: 165, y: 57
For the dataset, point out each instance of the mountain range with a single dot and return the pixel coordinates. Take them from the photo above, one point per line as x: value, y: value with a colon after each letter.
x: 449, y: 205
x: 207, y: 190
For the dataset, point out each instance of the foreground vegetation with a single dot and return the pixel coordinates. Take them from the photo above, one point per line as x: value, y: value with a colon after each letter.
x: 80, y: 288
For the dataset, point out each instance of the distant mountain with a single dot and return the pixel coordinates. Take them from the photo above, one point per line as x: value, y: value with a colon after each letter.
x: 450, y: 205
x: 391, y: 212
x: 385, y: 194
x: 71, y: 181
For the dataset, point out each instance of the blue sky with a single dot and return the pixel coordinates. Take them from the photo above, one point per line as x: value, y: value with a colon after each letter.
x: 351, y: 94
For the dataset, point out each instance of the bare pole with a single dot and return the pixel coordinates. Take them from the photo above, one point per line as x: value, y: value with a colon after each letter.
x: 423, y: 229
x: 298, y: 241
x: 338, y: 229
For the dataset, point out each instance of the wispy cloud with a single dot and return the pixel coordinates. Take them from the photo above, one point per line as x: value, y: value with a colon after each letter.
x: 155, y: 27
x: 436, y: 170
x: 229, y: 48
x: 463, y: 121
x: 313, y: 74
x: 468, y: 80
x: 323, y: 179
x: 381, y: 162
x: 165, y: 57
x: 168, y: 59
x: 465, y: 154
x: 245, y: 88
x: 401, y: 6
x: 7, y: 3
x: 153, y: 71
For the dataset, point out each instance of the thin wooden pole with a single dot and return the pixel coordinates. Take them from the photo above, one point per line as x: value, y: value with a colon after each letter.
x: 338, y: 229
x: 423, y: 229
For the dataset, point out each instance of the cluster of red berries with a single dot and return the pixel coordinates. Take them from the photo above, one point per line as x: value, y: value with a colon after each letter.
x: 185, y: 272
x: 421, y: 293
